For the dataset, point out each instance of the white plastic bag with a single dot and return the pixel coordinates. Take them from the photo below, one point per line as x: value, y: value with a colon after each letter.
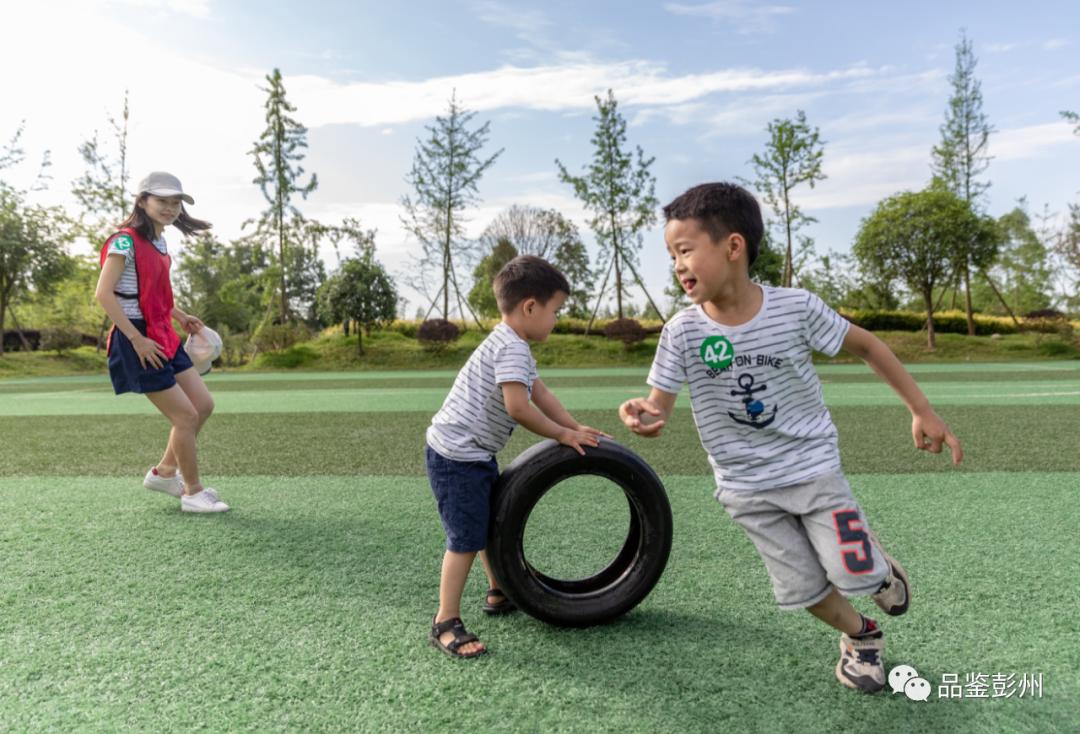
x: 204, y: 346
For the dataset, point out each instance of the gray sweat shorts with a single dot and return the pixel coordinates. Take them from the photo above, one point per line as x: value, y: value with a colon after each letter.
x: 812, y: 536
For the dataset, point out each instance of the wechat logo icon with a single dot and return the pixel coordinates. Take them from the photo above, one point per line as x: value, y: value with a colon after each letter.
x: 905, y: 679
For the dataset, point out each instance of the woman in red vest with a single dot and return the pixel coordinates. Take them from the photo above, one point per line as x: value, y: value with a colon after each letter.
x: 145, y: 354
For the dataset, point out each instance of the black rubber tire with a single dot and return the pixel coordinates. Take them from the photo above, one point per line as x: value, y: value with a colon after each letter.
x: 617, y: 588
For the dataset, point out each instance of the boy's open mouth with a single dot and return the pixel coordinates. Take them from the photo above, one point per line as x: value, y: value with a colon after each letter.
x: 689, y: 283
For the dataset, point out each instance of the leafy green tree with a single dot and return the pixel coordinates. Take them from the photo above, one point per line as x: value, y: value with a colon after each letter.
x: 912, y: 236
x: 225, y: 284
x: 769, y: 266
x: 1023, y: 268
x: 445, y: 172
x: 828, y: 280
x: 33, y: 239
x: 963, y: 156
x: 572, y: 259
x: 482, y: 295
x: 278, y: 156
x: 33, y: 254
x: 360, y: 291
x: 619, y: 191
x: 305, y: 266
x: 548, y: 234
x: 793, y: 157
x: 69, y: 302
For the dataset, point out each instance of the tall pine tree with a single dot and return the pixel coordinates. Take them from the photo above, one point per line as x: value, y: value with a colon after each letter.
x: 445, y: 172
x: 962, y: 157
x: 792, y: 157
x: 278, y: 155
x: 620, y: 192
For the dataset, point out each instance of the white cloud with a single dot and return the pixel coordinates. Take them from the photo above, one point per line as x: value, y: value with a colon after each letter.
x: 1000, y: 48
x: 1030, y: 141
x: 554, y: 87
x: 1054, y: 44
x: 525, y: 22
x: 748, y: 16
x: 186, y: 116
x: 195, y: 8
x: 861, y: 177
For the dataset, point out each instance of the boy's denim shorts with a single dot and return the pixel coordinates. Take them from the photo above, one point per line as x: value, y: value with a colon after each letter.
x: 462, y: 492
x: 128, y: 374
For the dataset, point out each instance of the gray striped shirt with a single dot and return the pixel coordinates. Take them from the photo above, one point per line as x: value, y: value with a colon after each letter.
x: 473, y: 424
x: 129, y: 280
x: 755, y: 395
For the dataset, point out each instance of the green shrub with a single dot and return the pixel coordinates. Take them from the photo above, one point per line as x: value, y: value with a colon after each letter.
x: 945, y: 322
x: 275, y: 337
x: 60, y: 339
x: 295, y: 356
x: 236, y: 349
x: 1057, y: 348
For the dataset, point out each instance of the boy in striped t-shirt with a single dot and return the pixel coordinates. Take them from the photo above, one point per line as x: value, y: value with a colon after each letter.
x: 745, y: 351
x: 490, y: 396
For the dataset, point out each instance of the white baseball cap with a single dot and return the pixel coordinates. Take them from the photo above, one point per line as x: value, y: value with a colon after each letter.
x: 160, y: 183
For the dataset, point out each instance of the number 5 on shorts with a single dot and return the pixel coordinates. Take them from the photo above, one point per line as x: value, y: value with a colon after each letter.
x: 850, y: 530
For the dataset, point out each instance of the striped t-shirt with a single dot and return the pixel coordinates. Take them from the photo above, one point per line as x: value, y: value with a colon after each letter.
x: 122, y: 244
x: 473, y: 424
x: 755, y: 396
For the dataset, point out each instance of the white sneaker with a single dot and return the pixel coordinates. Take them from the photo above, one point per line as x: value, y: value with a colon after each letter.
x: 173, y: 486
x: 210, y: 491
x: 202, y: 502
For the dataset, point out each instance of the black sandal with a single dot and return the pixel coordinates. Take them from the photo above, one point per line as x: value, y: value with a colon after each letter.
x: 503, y: 607
x: 461, y: 637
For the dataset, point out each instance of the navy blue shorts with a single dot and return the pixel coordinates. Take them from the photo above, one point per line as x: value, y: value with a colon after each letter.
x: 130, y: 376
x: 462, y: 491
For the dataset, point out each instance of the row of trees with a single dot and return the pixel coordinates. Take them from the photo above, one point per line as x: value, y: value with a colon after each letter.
x: 915, y: 248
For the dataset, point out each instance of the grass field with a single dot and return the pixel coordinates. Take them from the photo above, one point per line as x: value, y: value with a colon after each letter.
x: 306, y: 607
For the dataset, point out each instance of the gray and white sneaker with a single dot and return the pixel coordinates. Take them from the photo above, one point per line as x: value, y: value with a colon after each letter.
x: 173, y: 486
x: 203, y: 501
x: 894, y: 595
x: 860, y: 666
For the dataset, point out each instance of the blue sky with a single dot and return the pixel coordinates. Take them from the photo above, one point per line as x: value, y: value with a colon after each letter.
x: 697, y: 81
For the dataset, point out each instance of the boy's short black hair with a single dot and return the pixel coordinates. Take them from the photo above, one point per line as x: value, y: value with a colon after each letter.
x: 722, y: 208
x: 527, y: 276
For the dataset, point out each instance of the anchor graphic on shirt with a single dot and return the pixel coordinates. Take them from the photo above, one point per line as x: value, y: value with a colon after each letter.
x: 754, y: 407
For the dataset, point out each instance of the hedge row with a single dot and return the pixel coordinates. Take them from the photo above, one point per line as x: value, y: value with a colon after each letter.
x: 949, y: 322
x: 953, y: 322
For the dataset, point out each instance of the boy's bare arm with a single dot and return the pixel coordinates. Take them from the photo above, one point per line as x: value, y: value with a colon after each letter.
x: 647, y: 416
x: 550, y: 406
x: 927, y: 429
x: 516, y: 399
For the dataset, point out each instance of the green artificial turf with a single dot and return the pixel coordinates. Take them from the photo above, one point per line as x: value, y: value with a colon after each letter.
x: 306, y: 608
